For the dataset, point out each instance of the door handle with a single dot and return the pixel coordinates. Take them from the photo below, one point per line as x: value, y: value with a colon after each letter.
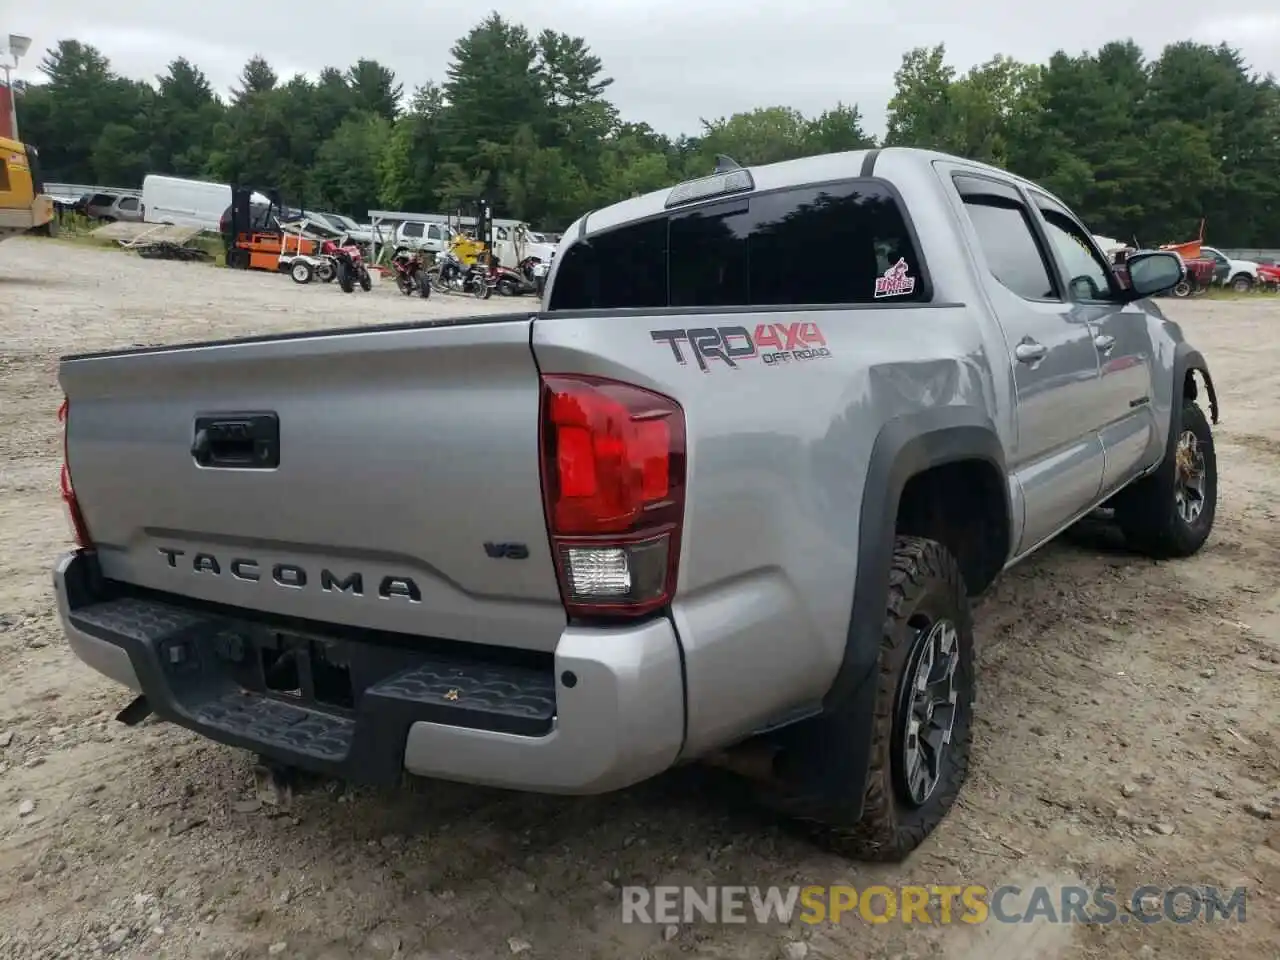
x: 1104, y: 343
x: 1028, y: 351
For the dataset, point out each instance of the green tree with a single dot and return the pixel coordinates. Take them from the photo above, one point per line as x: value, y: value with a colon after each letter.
x: 409, y: 169
x: 493, y: 89
x: 182, y: 119
x: 374, y: 89
x: 345, y: 174
x: 257, y: 77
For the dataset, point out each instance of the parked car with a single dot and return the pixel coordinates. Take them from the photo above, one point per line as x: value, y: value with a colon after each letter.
x: 360, y: 233
x: 1269, y: 276
x: 708, y: 497
x: 110, y: 207
x: 420, y: 236
x: 1239, y: 275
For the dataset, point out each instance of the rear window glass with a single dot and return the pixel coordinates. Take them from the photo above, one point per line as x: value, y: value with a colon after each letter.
x: 845, y: 243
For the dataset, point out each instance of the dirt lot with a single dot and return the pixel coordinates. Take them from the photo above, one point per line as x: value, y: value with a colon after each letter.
x: 1127, y: 729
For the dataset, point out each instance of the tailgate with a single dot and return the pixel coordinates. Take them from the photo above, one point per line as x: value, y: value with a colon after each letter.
x: 406, y: 496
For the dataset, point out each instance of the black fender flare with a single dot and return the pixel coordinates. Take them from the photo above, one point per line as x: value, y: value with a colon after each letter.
x: 1186, y: 359
x: 837, y: 752
x: 904, y: 447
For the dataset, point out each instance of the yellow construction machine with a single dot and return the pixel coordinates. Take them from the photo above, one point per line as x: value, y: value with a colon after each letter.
x: 24, y: 206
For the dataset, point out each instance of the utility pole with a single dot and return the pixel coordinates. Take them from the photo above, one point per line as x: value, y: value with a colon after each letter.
x: 17, y: 48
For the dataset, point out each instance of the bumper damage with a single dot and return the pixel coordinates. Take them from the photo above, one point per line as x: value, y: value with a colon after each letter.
x: 606, y: 711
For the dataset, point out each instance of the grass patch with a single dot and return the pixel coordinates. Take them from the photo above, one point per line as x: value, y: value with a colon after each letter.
x: 1226, y: 293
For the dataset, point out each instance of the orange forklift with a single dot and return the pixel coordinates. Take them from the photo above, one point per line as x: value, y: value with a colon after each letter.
x: 252, y: 233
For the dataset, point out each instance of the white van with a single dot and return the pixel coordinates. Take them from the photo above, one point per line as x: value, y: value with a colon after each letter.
x: 188, y: 203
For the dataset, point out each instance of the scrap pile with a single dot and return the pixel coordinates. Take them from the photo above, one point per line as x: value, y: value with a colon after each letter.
x: 156, y: 241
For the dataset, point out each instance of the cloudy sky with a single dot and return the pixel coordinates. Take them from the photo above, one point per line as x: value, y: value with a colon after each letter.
x: 673, y: 61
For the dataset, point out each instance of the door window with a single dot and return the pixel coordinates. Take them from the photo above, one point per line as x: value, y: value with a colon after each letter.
x: 413, y: 229
x: 1088, y: 273
x: 129, y: 203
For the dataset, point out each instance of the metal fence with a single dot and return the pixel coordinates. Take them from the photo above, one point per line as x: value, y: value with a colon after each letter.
x: 1260, y: 254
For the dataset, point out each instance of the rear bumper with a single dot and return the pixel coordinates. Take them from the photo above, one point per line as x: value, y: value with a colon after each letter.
x: 605, y: 712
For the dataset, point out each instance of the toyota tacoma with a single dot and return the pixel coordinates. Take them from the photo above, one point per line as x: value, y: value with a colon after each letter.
x: 712, y: 498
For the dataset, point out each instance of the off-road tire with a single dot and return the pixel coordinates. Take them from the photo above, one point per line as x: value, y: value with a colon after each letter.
x: 366, y: 282
x: 424, y: 285
x: 925, y: 587
x: 1147, y: 513
x: 346, y: 282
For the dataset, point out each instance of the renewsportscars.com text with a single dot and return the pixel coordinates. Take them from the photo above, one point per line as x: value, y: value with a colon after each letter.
x: 932, y: 904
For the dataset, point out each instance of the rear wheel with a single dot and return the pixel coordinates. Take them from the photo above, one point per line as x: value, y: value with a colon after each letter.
x: 1171, y: 512
x: 325, y: 272
x: 1182, y: 289
x: 301, y: 271
x: 922, y: 726
x: 366, y: 282
x: 1242, y: 283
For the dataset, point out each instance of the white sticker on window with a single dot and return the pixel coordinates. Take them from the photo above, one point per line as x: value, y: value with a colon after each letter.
x: 895, y: 282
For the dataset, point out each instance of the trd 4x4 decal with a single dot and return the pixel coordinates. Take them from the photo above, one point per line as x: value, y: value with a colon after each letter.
x: 772, y: 343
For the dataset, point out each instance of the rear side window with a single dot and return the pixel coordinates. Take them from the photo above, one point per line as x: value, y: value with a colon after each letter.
x: 618, y: 269
x: 413, y: 229
x: 129, y: 203
x: 1010, y: 248
x: 102, y: 200
x: 844, y: 243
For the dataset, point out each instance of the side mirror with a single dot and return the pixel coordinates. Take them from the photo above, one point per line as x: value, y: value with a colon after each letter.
x: 1154, y: 272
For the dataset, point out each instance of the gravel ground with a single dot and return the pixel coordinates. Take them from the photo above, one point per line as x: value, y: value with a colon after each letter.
x: 1127, y: 727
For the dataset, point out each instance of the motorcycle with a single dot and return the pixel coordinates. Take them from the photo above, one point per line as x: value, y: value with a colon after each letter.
x: 512, y: 283
x: 451, y: 275
x: 349, y: 265
x: 410, y: 277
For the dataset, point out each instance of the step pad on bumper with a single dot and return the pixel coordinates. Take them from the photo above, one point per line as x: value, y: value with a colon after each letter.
x: 336, y: 703
x: 276, y: 724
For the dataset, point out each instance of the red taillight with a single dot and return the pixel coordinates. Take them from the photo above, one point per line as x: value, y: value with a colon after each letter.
x: 78, y: 527
x: 613, y: 468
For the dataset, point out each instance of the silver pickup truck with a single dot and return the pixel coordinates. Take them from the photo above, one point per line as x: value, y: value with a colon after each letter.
x: 729, y: 491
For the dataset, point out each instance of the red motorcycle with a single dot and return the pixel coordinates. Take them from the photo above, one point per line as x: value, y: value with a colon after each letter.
x: 410, y: 277
x: 348, y: 261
